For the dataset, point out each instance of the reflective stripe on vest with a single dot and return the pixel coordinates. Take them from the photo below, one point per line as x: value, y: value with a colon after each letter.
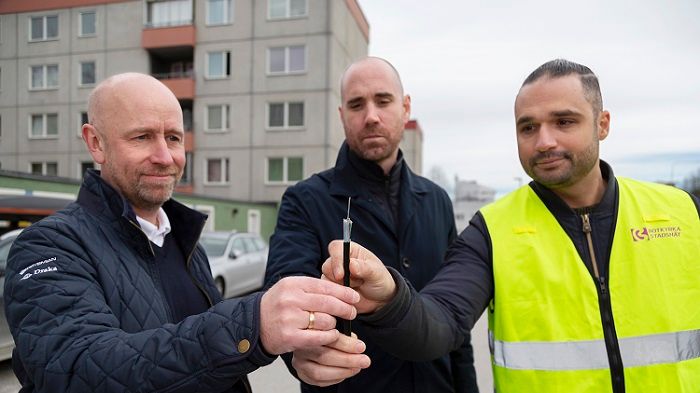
x: 591, y: 355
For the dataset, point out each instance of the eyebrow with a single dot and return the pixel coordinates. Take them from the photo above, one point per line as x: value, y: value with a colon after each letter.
x: 383, y: 94
x: 563, y: 113
x: 556, y: 114
x: 138, y: 130
x: 524, y: 120
x: 355, y: 100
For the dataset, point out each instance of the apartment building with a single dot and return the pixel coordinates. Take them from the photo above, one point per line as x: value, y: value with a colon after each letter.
x: 470, y: 196
x: 257, y: 81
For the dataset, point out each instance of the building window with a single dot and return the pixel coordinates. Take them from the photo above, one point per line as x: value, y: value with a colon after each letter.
x: 187, y: 120
x: 284, y: 9
x: 169, y: 13
x: 219, y: 12
x: 84, y: 166
x: 44, y: 168
x: 87, y: 24
x: 82, y: 119
x: 286, y: 59
x: 218, y: 64
x: 217, y: 118
x: 87, y: 73
x: 285, y: 115
x: 187, y: 171
x: 285, y: 169
x: 44, y: 77
x: 43, y: 126
x: 42, y: 28
x: 217, y: 171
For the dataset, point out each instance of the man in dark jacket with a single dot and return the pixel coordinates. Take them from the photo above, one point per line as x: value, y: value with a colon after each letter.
x: 591, y: 280
x: 404, y: 218
x: 113, y: 293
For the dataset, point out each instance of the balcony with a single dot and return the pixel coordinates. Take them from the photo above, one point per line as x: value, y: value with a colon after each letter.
x: 181, y: 84
x: 167, y: 37
x: 169, y: 24
x: 189, y: 140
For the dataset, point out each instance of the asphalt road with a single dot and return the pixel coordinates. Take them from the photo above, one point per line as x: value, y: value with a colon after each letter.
x: 276, y: 379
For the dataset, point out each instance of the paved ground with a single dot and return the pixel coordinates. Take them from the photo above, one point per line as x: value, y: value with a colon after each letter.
x: 276, y: 379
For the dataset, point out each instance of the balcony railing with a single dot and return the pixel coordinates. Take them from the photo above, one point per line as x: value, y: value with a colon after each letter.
x: 189, y: 74
x: 167, y: 23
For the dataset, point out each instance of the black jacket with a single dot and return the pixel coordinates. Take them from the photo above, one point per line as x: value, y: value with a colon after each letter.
x: 310, y: 216
x: 87, y: 309
x: 448, y: 306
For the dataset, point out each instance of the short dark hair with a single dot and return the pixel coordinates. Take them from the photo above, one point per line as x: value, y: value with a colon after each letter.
x: 561, y: 67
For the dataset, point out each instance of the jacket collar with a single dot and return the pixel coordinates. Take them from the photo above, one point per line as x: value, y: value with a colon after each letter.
x: 347, y: 174
x: 558, y: 207
x: 104, y: 201
x: 347, y: 182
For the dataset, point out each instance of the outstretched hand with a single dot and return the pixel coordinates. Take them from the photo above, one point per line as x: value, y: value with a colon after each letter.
x: 298, y: 312
x: 332, y: 363
x: 368, y: 275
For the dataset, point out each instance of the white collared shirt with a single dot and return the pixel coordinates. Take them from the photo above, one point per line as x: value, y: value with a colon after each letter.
x: 156, y: 234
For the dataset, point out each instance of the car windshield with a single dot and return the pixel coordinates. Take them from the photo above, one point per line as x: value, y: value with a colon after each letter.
x: 214, y: 246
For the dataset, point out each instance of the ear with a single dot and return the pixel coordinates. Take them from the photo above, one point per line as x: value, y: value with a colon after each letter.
x: 603, y: 125
x: 94, y: 142
x: 406, y: 108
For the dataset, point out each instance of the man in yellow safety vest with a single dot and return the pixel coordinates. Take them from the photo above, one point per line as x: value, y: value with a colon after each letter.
x: 591, y: 280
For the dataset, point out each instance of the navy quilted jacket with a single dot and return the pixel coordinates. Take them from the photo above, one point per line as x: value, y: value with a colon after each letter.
x: 88, y: 314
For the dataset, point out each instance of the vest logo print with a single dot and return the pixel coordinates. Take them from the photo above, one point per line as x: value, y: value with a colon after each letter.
x: 646, y: 233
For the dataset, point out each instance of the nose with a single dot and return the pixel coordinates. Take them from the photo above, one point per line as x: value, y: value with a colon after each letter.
x: 546, y: 139
x: 372, y: 115
x: 160, y: 153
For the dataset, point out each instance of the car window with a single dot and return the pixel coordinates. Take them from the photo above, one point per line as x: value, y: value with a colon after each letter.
x: 260, y: 243
x: 214, y: 246
x: 239, y: 246
x: 250, y: 244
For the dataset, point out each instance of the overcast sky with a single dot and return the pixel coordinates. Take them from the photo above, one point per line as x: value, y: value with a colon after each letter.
x: 463, y: 62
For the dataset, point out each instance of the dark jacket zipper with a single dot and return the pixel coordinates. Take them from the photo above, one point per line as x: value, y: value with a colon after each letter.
x: 189, y: 271
x: 617, y: 372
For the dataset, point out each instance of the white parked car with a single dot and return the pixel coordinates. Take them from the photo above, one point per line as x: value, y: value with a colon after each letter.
x: 6, y: 341
x: 237, y: 261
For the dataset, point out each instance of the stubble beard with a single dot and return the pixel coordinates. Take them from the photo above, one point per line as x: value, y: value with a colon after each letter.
x: 376, y: 152
x: 579, y: 166
x: 143, y: 196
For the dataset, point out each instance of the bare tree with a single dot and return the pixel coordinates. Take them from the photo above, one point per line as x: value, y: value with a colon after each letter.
x: 692, y: 183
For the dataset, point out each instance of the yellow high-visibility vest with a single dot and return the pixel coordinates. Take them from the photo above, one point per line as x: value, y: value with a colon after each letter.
x: 545, y: 322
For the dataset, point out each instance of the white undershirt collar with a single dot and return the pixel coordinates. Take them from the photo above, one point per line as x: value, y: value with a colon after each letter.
x: 156, y: 234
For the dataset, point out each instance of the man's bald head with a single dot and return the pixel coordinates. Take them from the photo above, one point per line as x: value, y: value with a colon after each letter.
x: 364, y: 63
x: 120, y: 92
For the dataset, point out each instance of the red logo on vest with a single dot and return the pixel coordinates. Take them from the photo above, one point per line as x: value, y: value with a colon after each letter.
x: 640, y: 234
x: 646, y: 233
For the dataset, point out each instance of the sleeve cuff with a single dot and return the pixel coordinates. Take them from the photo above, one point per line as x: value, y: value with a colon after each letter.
x: 394, y: 311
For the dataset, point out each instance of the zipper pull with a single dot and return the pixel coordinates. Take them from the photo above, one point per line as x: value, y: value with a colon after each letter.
x: 603, y: 286
x: 586, y: 224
